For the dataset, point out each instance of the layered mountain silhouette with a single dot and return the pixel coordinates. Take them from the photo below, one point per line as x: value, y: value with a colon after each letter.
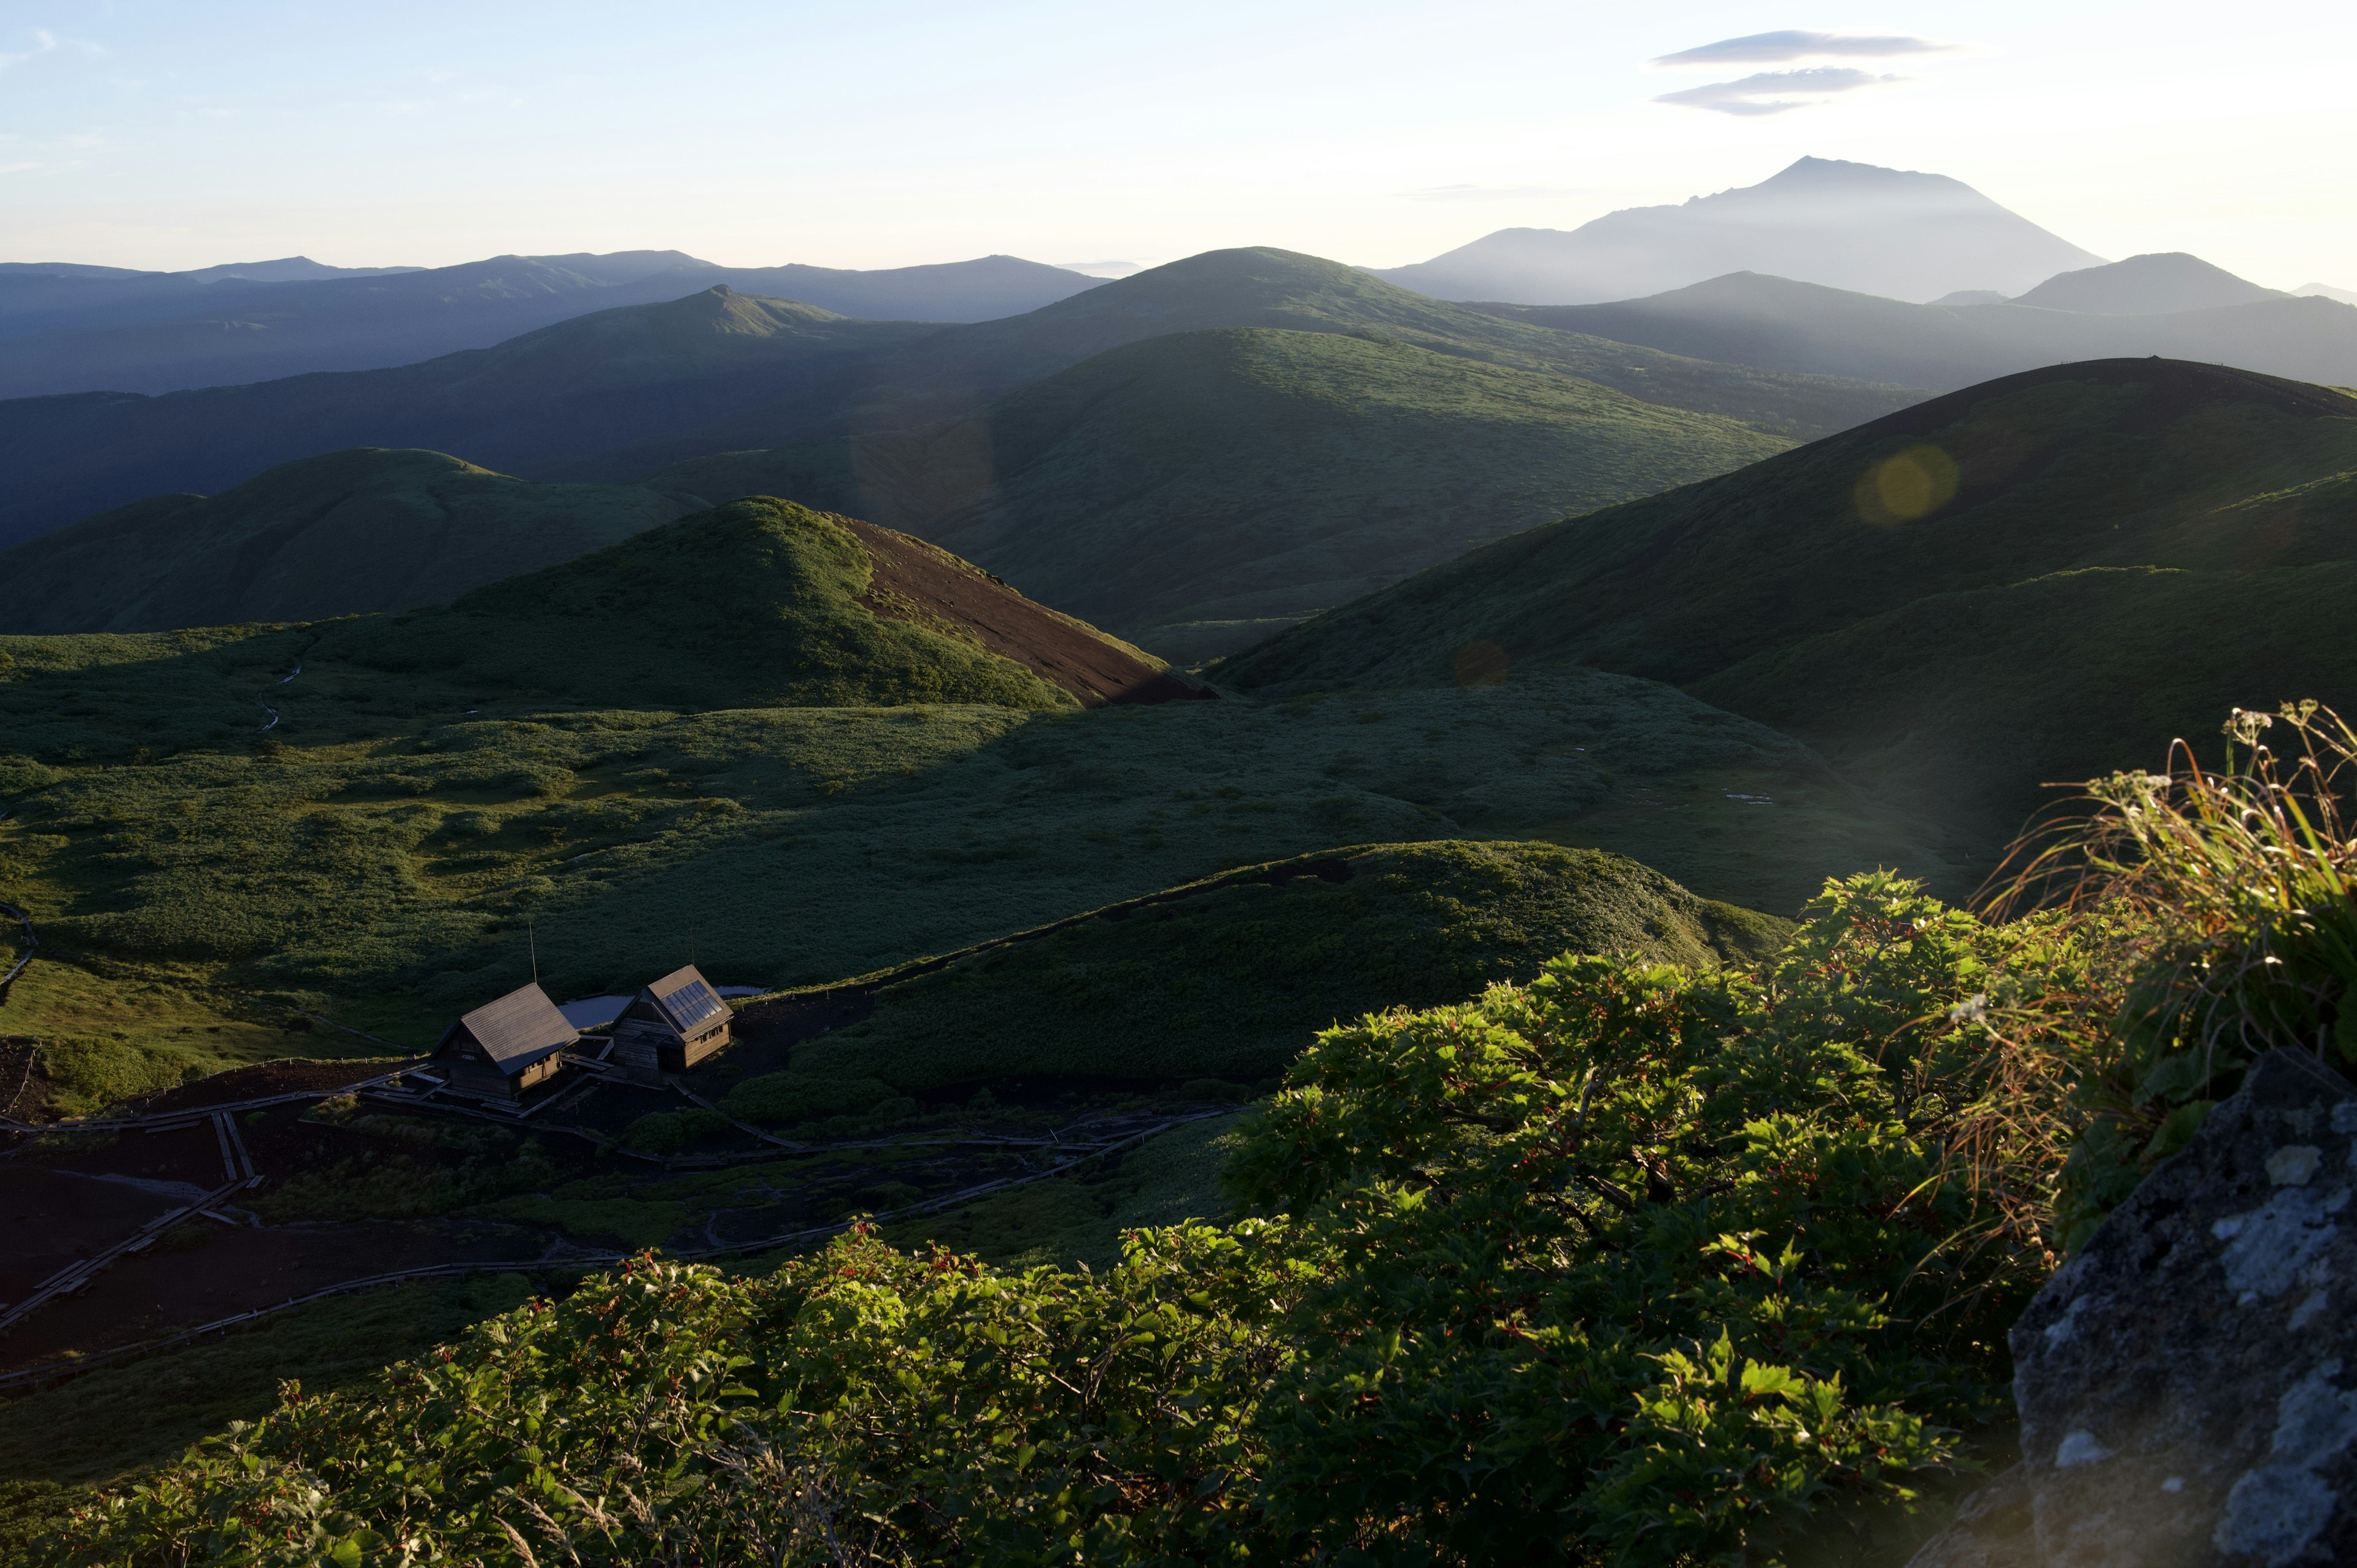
x: 1884, y: 232
x: 2037, y: 579
x: 1779, y: 324
x: 1196, y: 491
x: 619, y: 394
x: 62, y: 331
x: 339, y: 534
x: 564, y: 390
x: 2153, y: 285
x: 960, y: 369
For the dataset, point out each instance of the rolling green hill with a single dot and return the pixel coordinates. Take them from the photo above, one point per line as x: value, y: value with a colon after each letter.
x: 1916, y: 597
x: 367, y: 530
x: 783, y: 740
x: 1231, y: 978
x: 718, y: 371
x: 959, y: 369
x: 564, y: 391
x: 1195, y: 492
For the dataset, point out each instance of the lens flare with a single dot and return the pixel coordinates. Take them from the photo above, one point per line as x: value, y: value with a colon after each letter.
x: 1912, y: 484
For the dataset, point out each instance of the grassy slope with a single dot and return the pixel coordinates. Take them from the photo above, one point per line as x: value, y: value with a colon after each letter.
x: 571, y: 389
x: 2119, y: 464
x: 1218, y: 485
x: 958, y: 370
x: 1230, y: 981
x: 366, y: 530
x: 381, y: 859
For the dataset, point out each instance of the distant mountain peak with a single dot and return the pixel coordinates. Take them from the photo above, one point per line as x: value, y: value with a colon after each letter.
x: 1901, y: 233
x: 2160, y: 282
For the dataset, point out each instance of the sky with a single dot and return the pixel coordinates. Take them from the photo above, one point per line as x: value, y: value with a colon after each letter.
x: 156, y: 134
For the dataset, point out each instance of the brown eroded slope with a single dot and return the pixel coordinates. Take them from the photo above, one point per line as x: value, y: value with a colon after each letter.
x: 926, y: 586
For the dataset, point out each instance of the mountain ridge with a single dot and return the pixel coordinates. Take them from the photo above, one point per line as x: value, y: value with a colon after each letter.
x: 1898, y: 234
x: 2203, y: 475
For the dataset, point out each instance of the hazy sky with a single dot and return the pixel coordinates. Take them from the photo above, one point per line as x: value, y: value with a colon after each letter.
x: 161, y: 133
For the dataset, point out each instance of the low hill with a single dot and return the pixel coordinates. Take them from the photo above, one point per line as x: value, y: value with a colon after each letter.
x: 1841, y: 587
x: 1197, y: 491
x: 564, y: 391
x: 1230, y: 977
x: 959, y: 369
x: 349, y: 532
x: 168, y: 332
x: 758, y: 604
x: 1778, y: 324
x: 719, y: 371
x: 2156, y: 285
x: 800, y: 747
x: 1884, y: 232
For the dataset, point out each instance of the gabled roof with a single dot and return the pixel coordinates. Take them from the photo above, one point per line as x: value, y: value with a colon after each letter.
x: 686, y: 999
x: 518, y: 1029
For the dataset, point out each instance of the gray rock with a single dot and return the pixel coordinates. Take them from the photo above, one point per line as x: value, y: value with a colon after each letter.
x: 2188, y: 1384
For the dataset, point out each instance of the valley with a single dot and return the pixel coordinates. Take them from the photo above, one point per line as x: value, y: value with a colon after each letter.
x: 1510, y: 910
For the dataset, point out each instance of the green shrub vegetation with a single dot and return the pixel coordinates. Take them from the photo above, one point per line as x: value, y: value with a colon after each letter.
x: 1638, y: 1262
x: 2022, y: 583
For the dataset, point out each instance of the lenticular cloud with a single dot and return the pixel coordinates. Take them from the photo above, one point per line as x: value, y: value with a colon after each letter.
x: 1771, y: 48
x: 1775, y: 91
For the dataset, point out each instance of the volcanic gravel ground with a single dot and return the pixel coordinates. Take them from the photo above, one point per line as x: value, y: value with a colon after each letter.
x: 914, y: 581
x: 266, y: 1079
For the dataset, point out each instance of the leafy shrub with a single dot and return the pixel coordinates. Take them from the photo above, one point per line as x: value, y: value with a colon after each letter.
x: 1637, y: 1264
x: 668, y: 1132
x: 780, y: 1097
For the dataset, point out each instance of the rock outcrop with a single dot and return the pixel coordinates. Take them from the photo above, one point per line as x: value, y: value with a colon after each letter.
x: 2187, y: 1382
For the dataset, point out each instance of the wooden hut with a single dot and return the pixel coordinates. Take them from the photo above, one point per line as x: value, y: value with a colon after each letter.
x: 670, y: 1025
x: 504, y: 1047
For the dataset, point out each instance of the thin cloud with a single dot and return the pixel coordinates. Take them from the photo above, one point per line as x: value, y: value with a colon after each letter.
x: 46, y: 42
x: 17, y: 168
x: 1773, y: 49
x: 1775, y: 91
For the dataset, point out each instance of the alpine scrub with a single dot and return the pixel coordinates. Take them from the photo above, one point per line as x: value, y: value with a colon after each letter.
x: 1646, y: 1264
x: 1636, y: 1264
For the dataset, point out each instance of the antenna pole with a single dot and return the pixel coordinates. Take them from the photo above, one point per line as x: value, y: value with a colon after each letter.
x: 530, y: 937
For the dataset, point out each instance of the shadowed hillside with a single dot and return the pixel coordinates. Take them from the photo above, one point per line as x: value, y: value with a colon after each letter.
x: 952, y: 372
x: 2154, y: 284
x: 1750, y: 319
x: 1985, y: 673
x: 370, y: 530
x: 62, y: 331
x: 565, y: 389
x: 642, y: 387
x: 1197, y: 491
x: 1229, y: 977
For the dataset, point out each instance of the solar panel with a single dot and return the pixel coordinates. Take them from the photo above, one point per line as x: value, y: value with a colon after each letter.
x: 691, y: 1004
